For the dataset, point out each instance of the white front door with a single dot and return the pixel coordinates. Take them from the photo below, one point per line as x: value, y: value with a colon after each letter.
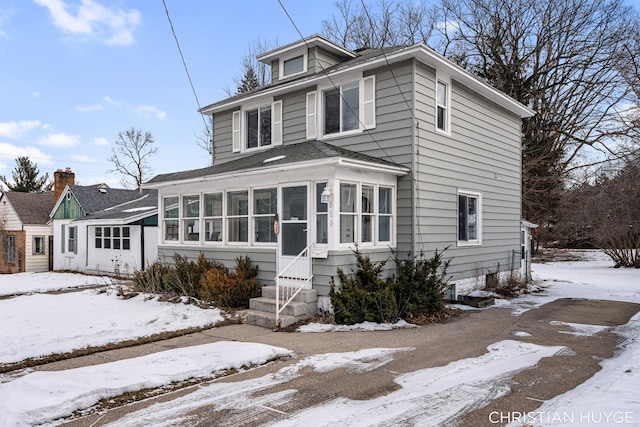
x: 294, y: 236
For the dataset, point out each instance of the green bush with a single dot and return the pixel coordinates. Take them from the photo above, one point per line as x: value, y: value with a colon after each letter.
x: 416, y: 289
x: 231, y: 289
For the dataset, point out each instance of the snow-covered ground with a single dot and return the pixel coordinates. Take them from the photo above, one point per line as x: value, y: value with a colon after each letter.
x: 610, y: 397
x: 37, y: 325
x: 25, y: 283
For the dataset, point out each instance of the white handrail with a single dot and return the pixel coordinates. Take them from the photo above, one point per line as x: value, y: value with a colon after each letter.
x: 289, y: 293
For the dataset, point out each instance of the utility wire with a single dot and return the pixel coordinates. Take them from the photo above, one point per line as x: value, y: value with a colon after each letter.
x: 184, y: 63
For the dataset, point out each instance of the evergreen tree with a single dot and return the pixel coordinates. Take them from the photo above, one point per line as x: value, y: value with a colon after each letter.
x: 25, y: 178
x: 249, y: 81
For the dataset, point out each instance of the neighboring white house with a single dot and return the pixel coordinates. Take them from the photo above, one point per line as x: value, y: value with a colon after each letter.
x: 98, y: 229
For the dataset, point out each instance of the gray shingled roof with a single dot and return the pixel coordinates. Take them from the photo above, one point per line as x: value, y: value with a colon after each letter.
x: 95, y: 198
x: 32, y: 208
x: 145, y: 205
x: 363, y: 56
x: 303, y: 151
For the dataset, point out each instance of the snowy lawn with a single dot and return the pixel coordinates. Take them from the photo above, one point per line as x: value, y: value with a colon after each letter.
x: 610, y: 397
x: 58, y: 394
x: 26, y: 283
x: 38, y: 325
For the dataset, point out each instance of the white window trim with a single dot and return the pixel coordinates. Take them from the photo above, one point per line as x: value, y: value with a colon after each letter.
x: 253, y: 215
x: 204, y: 218
x: 478, y: 241
x: 239, y: 125
x: 446, y: 80
x: 33, y: 243
x: 365, y: 104
x: 227, y: 217
x: 163, y: 219
x: 305, y: 62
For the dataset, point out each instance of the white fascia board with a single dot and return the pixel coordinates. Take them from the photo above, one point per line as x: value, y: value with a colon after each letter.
x: 315, y: 40
x: 358, y: 164
x: 419, y: 51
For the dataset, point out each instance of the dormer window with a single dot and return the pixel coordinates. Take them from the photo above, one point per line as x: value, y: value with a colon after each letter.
x: 293, y: 65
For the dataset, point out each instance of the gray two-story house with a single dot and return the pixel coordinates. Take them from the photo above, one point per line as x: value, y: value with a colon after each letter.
x: 394, y: 148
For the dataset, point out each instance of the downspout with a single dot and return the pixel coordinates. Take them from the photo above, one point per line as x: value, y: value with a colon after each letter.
x: 142, y: 259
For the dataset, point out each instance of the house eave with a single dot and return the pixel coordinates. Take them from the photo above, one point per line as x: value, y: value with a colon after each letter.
x: 315, y: 40
x: 305, y: 165
x: 420, y: 51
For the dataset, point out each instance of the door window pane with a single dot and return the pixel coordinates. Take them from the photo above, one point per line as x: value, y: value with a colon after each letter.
x: 295, y: 203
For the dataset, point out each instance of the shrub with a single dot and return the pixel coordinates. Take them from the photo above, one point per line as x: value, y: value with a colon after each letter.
x: 508, y: 287
x: 151, y: 279
x: 417, y: 289
x: 231, y: 289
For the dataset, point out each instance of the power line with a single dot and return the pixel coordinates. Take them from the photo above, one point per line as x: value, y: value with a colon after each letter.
x: 184, y: 63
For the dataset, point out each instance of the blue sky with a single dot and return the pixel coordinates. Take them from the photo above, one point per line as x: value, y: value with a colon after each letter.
x: 74, y: 73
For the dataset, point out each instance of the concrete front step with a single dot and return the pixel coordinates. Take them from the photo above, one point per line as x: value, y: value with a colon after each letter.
x: 262, y: 310
x: 268, y: 320
x: 294, y: 308
x: 305, y: 295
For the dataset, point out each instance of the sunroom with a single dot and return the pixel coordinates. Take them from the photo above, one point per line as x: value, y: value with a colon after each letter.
x: 286, y: 207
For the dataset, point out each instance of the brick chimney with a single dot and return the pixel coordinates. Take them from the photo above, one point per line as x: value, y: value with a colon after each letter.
x: 62, y: 178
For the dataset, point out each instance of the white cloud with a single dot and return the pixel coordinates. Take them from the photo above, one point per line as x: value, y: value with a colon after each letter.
x: 60, y: 139
x: 100, y: 141
x: 90, y: 19
x: 110, y: 101
x: 5, y: 14
x: 88, y: 108
x: 8, y: 152
x: 148, y: 110
x: 35, y: 94
x: 16, y: 130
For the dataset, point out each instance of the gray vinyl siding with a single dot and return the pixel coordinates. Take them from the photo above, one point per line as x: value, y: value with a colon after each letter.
x: 320, y: 60
x: 222, y: 129
x: 482, y: 155
x: 264, y: 258
x: 325, y: 269
x: 294, y: 116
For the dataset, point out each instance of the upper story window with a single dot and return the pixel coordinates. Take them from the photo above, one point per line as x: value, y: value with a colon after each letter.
x: 469, y: 218
x: 347, y: 108
x: 342, y: 108
x: 443, y: 112
x: 293, y: 66
x: 258, y: 127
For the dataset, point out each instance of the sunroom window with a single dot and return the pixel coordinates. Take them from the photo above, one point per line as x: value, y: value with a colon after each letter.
x: 171, y: 215
x: 265, y: 206
x: 213, y: 217
x: 238, y: 216
x: 191, y: 214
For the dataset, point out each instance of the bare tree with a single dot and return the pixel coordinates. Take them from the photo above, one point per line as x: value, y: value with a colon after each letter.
x: 574, y: 62
x: 130, y: 156
x: 385, y: 23
x: 205, y: 139
x: 254, y: 73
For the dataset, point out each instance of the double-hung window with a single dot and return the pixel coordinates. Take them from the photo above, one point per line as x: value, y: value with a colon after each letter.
x: 171, y: 215
x: 213, y: 217
x: 72, y: 240
x: 191, y: 215
x: 385, y: 214
x: 10, y: 249
x: 38, y: 245
x: 258, y: 127
x: 469, y: 218
x: 367, y: 214
x: 348, y: 212
x: 265, y: 206
x: 342, y: 108
x: 443, y: 111
x: 238, y: 216
x: 322, y: 215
